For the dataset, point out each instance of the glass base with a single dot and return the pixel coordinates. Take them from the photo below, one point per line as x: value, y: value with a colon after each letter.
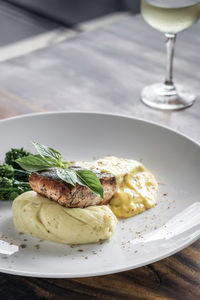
x: 167, y: 97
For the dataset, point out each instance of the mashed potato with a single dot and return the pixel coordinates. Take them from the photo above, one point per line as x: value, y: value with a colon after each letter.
x: 46, y: 219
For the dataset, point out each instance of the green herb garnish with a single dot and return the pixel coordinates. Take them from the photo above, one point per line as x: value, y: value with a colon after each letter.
x: 50, y: 158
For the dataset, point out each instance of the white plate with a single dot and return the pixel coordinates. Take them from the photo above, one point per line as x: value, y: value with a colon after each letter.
x: 157, y: 233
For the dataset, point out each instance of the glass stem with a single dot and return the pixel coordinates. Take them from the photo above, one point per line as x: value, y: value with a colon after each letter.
x: 170, y: 45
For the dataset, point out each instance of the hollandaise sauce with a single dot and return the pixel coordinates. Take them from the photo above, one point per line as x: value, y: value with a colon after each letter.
x: 136, y: 186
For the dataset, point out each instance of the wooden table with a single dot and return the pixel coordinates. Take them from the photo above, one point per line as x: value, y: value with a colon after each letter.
x: 104, y: 69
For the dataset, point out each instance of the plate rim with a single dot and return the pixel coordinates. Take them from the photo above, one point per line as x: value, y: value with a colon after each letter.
x: 102, y: 273
x: 23, y: 116
x: 115, y: 270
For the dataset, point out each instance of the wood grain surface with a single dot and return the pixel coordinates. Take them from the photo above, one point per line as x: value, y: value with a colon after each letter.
x: 176, y: 277
x: 104, y: 70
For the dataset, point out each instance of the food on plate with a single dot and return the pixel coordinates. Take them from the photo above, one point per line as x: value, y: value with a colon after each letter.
x: 11, y: 188
x: 48, y: 184
x: 45, y: 219
x: 9, y: 172
x: 48, y: 158
x: 15, y: 153
x: 67, y: 185
x: 87, y: 196
x: 13, y: 180
x: 136, y: 187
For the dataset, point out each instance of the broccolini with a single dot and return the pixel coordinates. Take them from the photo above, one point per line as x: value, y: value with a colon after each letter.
x: 13, y: 179
x: 9, y: 172
x: 6, y: 171
x: 14, y: 154
x: 11, y: 188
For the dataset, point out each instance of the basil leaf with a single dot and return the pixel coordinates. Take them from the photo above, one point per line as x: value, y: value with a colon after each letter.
x: 36, y: 163
x: 90, y: 179
x: 46, y: 151
x: 51, y: 158
x: 67, y: 175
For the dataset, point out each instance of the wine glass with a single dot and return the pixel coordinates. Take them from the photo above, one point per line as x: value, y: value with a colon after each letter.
x: 170, y: 17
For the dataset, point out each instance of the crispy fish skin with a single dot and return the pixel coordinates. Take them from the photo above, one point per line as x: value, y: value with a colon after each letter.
x: 48, y: 184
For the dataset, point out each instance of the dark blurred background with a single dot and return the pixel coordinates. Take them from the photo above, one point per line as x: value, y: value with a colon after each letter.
x: 21, y: 19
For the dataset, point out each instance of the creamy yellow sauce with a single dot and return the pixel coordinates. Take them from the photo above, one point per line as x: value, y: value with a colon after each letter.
x: 136, y: 186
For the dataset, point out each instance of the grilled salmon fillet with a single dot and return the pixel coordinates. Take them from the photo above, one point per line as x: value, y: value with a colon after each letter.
x: 48, y: 184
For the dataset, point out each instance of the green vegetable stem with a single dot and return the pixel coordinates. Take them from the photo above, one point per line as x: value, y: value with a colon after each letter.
x: 11, y: 188
x: 13, y: 180
x: 9, y: 172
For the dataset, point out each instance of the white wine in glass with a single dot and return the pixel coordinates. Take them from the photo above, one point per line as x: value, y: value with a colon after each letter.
x: 170, y: 17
